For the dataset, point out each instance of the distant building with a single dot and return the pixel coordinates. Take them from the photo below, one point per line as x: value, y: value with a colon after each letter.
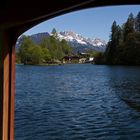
x: 82, y: 60
x: 89, y: 60
x: 70, y: 59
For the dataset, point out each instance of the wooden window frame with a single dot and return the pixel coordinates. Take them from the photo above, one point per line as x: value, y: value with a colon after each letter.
x: 7, y: 85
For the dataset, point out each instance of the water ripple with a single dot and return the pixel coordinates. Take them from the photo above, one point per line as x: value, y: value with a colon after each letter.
x: 77, y: 102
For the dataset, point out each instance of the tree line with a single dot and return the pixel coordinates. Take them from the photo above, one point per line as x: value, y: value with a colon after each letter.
x: 123, y: 47
x: 50, y: 50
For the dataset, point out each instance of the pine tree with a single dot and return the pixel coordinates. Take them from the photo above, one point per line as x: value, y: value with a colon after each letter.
x: 116, y: 34
x: 128, y: 26
x: 124, y: 51
x: 114, y: 42
x: 137, y: 22
x: 54, y: 32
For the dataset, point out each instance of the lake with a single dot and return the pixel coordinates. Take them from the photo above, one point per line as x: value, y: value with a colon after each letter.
x: 77, y: 102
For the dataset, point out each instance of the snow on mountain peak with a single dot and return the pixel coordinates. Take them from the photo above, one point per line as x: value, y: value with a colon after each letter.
x: 77, y: 40
x: 71, y: 36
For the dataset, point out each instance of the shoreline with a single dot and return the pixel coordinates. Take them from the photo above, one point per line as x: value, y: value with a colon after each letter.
x: 51, y: 64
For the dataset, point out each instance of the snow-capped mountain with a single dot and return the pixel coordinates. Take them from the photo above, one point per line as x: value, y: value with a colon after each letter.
x: 80, y: 43
x: 76, y: 41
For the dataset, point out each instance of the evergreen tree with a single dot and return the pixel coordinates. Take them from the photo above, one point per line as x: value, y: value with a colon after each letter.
x: 114, y: 42
x: 137, y: 22
x: 128, y: 26
x: 124, y: 51
x: 54, y: 32
x: 116, y: 34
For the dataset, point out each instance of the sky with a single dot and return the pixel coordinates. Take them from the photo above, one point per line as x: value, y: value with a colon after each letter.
x: 93, y: 22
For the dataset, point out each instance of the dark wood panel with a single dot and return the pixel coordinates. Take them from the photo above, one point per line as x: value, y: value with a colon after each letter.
x: 7, y: 73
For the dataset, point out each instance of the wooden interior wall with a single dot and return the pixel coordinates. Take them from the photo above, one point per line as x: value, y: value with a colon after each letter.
x: 7, y: 80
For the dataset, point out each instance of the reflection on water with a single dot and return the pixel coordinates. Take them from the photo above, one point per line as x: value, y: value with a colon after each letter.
x: 127, y: 85
x: 77, y: 102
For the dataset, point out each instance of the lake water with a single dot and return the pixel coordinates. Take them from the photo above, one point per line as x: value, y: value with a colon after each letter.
x: 77, y: 102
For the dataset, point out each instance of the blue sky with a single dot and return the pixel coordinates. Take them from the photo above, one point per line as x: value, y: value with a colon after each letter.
x: 93, y: 22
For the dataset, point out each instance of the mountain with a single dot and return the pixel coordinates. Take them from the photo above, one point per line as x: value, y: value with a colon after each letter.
x: 80, y: 43
x: 36, y: 38
x: 76, y: 41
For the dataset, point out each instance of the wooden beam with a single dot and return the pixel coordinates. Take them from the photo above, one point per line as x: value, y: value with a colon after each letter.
x: 7, y: 70
x: 12, y: 90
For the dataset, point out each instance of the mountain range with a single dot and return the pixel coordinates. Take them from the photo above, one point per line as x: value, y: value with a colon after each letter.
x: 80, y: 43
x: 76, y: 41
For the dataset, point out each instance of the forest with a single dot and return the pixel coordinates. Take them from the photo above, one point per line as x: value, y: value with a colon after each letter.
x: 49, y: 51
x: 123, y: 47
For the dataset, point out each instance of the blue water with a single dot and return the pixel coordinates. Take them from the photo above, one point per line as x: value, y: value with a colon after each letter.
x: 77, y: 102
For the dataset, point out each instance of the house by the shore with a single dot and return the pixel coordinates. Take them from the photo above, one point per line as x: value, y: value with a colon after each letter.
x: 70, y: 59
x: 81, y: 58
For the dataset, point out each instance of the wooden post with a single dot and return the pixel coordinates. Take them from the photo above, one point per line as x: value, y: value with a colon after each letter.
x: 7, y: 79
